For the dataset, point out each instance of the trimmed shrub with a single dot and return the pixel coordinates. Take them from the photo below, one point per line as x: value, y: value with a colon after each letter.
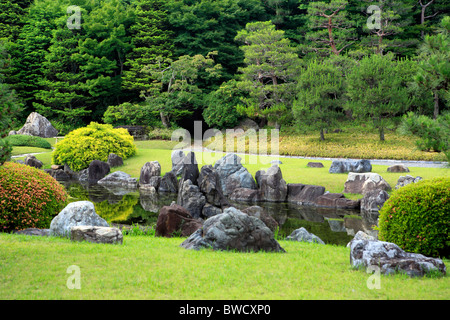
x: 20, y: 140
x: 94, y: 142
x: 417, y: 218
x: 29, y: 198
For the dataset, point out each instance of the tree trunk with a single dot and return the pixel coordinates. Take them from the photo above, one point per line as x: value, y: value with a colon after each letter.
x: 436, y: 105
x: 165, y: 120
x: 381, y: 134
x: 322, y: 136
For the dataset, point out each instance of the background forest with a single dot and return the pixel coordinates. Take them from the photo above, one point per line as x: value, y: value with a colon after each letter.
x: 283, y: 63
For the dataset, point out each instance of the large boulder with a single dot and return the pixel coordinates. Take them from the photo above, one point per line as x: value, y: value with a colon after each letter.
x: 175, y: 219
x: 209, y: 184
x: 37, y: 125
x: 365, y: 182
x: 81, y: 213
x: 177, y: 162
x: 233, y: 230
x: 398, y: 168
x: 97, y: 170
x: 96, y: 234
x: 246, y: 195
x: 272, y: 185
x: 191, y: 198
x: 119, y: 179
x: 390, y: 258
x: 374, y: 200
x: 304, y: 194
x: 302, y: 235
x: 149, y: 170
x: 233, y: 174
x: 344, y: 166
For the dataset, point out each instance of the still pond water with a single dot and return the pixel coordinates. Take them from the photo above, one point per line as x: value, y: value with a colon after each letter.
x: 128, y: 207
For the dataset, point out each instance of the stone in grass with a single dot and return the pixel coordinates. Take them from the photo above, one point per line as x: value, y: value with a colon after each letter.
x: 390, y: 258
x: 303, y: 235
x: 80, y: 213
x: 96, y: 234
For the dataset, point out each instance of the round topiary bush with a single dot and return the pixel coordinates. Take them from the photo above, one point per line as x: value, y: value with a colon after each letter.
x: 94, y: 142
x: 417, y: 218
x: 29, y: 198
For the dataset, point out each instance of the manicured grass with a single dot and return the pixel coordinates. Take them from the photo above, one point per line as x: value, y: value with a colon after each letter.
x: 27, y: 150
x: 157, y: 268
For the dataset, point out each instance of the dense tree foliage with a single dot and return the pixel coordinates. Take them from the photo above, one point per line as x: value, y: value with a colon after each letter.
x: 280, y: 62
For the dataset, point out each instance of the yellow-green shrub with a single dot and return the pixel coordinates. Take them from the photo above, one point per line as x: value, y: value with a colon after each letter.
x: 94, y: 142
x: 417, y: 218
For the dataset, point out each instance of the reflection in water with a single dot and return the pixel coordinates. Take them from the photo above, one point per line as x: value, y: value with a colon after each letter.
x: 129, y: 206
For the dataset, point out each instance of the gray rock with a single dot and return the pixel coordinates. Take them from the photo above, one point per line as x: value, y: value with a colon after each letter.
x: 303, y: 235
x: 209, y: 184
x: 153, y: 183
x: 150, y: 169
x: 119, y: 179
x: 209, y: 211
x: 233, y: 174
x: 190, y: 169
x: 37, y: 125
x: 81, y: 213
x: 191, y: 198
x: 96, y: 234
x: 344, y: 166
x: 403, y: 181
x: 58, y: 174
x: 360, y: 235
x: 177, y: 162
x: 233, y: 230
x: 398, y: 168
x: 374, y: 200
x: 34, y: 232
x: 304, y: 194
x: 169, y: 183
x: 97, y: 170
x: 336, y: 200
x: 272, y: 185
x: 31, y: 161
x: 114, y: 160
x: 315, y: 165
x: 365, y: 182
x: 246, y: 195
x: 258, y: 212
x: 390, y: 258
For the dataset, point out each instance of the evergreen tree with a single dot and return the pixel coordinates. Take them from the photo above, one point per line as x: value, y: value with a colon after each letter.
x: 151, y: 40
x: 270, y: 72
x: 12, y: 16
x: 375, y: 89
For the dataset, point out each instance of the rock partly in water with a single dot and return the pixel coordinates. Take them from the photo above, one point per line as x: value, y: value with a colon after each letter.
x: 81, y: 213
x: 114, y: 160
x: 374, y: 200
x: 97, y: 170
x: 303, y: 235
x: 336, y: 200
x: 272, y: 185
x: 389, y: 258
x: 365, y: 182
x: 233, y: 230
x: 149, y: 170
x: 209, y: 184
x: 119, y: 179
x: 304, y: 194
x: 169, y: 183
x: 233, y: 174
x: 191, y: 198
x: 175, y: 219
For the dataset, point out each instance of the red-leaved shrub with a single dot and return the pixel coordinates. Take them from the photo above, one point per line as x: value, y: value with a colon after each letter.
x: 29, y: 197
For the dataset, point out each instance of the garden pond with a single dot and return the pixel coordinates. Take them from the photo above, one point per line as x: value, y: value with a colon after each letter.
x: 131, y: 207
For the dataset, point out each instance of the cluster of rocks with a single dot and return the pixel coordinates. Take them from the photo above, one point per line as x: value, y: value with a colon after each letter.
x: 367, y: 252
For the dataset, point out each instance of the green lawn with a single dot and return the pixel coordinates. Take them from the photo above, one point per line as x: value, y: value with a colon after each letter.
x: 157, y: 268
